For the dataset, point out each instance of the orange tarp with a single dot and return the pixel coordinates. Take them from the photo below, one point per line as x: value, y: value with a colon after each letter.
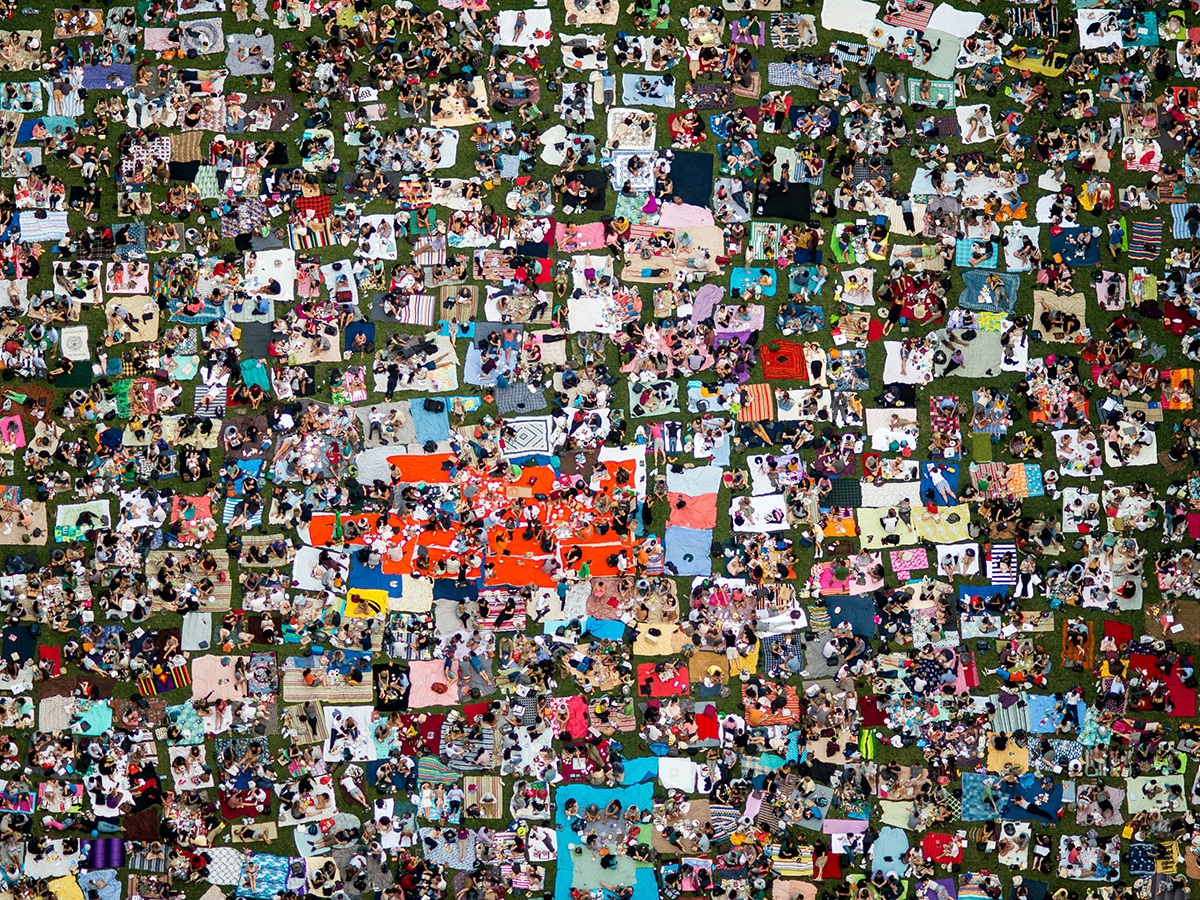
x: 427, y: 467
x: 522, y: 562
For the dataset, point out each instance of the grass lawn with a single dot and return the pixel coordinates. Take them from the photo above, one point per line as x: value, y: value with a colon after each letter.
x: 903, y: 164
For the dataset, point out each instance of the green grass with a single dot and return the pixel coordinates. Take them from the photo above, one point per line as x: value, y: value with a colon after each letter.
x: 903, y: 163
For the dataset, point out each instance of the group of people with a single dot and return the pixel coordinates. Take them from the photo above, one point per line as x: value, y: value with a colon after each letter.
x: 597, y: 451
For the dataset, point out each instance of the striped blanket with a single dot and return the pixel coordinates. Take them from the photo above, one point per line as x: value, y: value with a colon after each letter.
x: 39, y: 226
x: 431, y: 253
x: 491, y: 265
x: 407, y: 632
x: 1009, y: 719
x: 818, y: 619
x: 640, y: 234
x: 1002, y: 563
x: 1145, y: 239
x: 800, y: 866
x: 759, y: 247
x: 481, y: 748
x: 995, y: 474
x: 421, y: 310
x: 430, y: 768
x: 345, y: 694
x: 725, y: 820
x: 789, y: 714
x: 479, y: 786
x: 971, y: 888
x: 229, y: 512
x: 620, y: 718
x: 757, y: 403
x: 915, y: 16
x: 304, y: 238
x: 211, y: 400
x: 495, y: 603
x: 262, y: 541
x: 1179, y: 226
x: 170, y: 680
x: 853, y: 54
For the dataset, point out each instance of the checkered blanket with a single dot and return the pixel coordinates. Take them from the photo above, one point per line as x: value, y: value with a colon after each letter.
x: 517, y: 399
x: 962, y: 254
x: 778, y: 648
x: 785, y: 75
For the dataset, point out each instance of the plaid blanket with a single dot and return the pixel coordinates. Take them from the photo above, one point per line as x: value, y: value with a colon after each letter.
x: 863, y: 173
x: 711, y: 96
x: 947, y: 126
x: 785, y: 75
x: 778, y: 648
x: 517, y: 399
x: 846, y: 493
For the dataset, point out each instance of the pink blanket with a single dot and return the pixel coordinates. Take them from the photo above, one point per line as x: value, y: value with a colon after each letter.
x: 684, y: 215
x: 424, y: 674
x: 587, y: 237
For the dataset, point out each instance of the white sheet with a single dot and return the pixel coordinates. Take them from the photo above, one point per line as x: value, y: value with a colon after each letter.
x: 677, y: 774
x: 381, y: 244
x: 449, y: 146
x: 1013, y: 233
x: 767, y: 513
x: 953, y: 21
x: 890, y: 493
x: 1109, y: 32
x: 277, y: 264
x: 538, y: 30
x: 985, y: 130
x: 854, y: 16
x: 918, y: 370
x: 306, y: 573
